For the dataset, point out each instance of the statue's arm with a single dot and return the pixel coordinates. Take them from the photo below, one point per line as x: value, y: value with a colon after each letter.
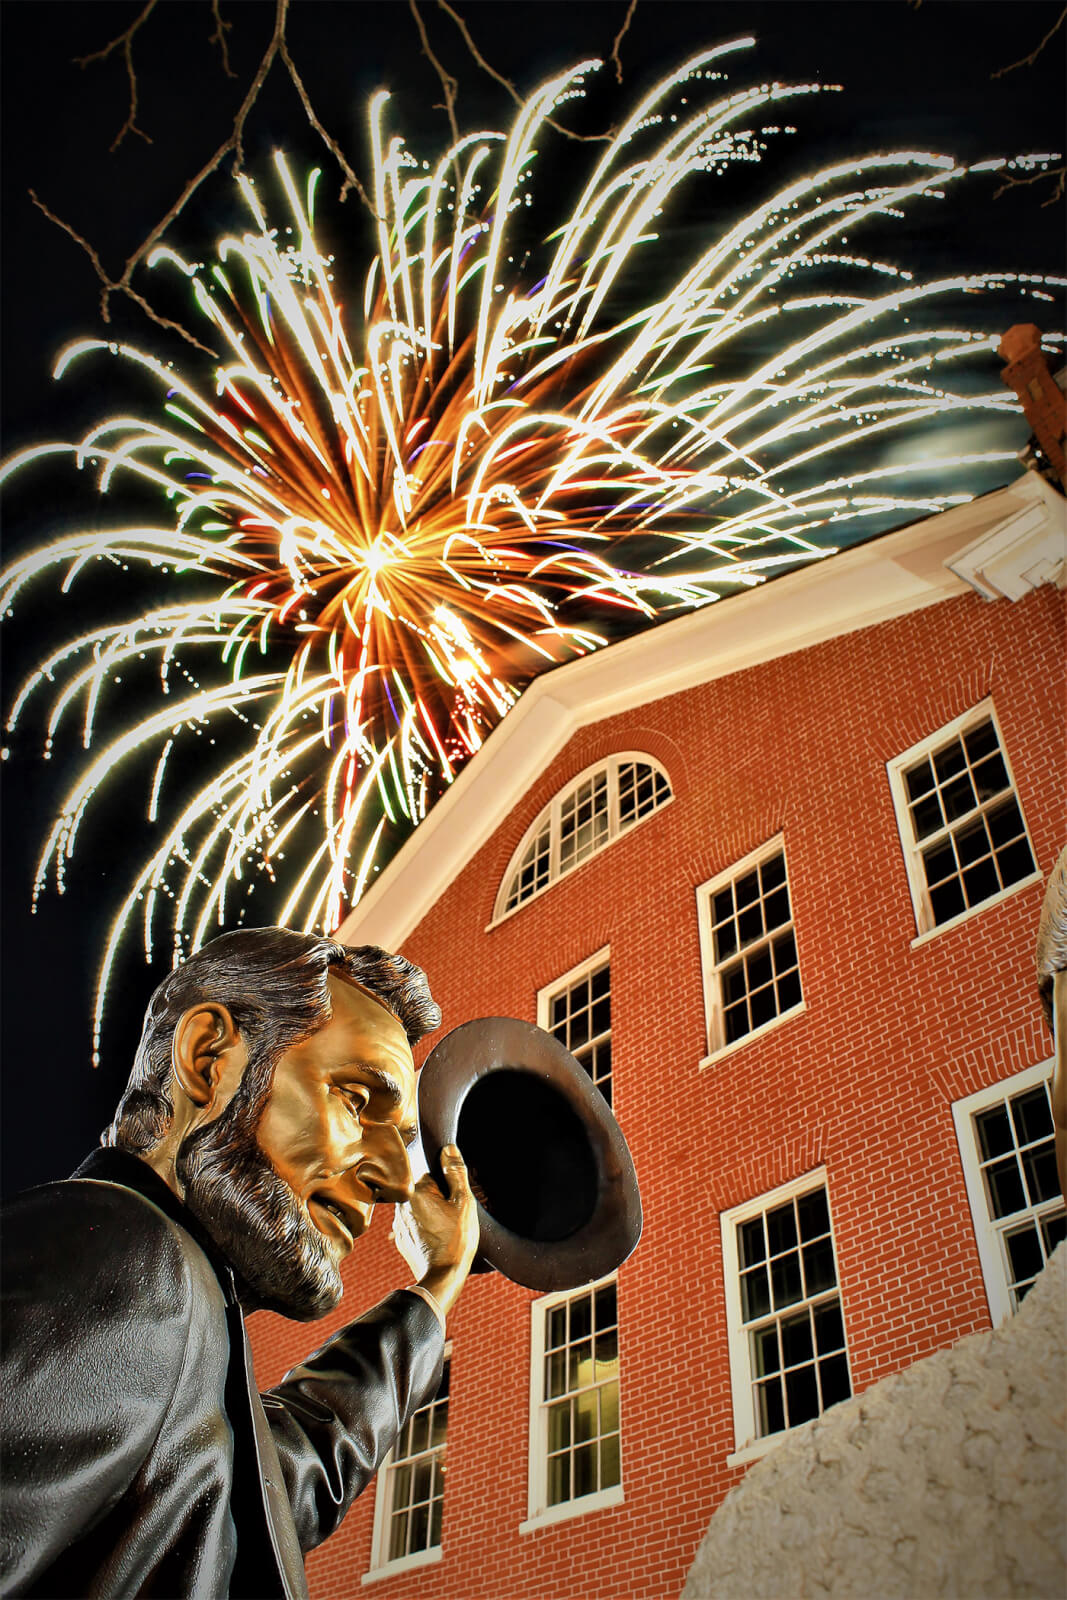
x: 83, y: 1388
x: 334, y: 1418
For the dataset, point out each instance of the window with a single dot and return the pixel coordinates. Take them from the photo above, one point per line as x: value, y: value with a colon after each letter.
x: 575, y: 1462
x: 749, y: 948
x: 584, y: 817
x: 788, y: 1358
x: 411, y: 1489
x: 1007, y: 1145
x: 964, y: 838
x: 577, y: 1010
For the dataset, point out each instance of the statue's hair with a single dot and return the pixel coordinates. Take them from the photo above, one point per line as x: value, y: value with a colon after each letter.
x: 273, y: 983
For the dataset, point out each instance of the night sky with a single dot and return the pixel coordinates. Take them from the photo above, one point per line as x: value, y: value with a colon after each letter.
x: 916, y: 77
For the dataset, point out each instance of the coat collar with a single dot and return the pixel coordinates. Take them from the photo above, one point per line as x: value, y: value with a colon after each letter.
x: 130, y: 1172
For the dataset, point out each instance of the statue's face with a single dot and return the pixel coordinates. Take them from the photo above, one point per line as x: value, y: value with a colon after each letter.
x: 340, y: 1116
x: 286, y: 1185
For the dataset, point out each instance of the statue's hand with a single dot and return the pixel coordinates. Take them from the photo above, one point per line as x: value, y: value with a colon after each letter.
x: 438, y: 1234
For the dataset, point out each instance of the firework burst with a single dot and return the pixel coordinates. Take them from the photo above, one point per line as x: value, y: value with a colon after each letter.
x: 382, y: 520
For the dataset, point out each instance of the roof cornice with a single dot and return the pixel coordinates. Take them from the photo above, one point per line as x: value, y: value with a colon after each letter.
x: 887, y: 577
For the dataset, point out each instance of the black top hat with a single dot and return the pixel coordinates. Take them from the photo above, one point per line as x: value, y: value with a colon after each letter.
x: 558, y: 1202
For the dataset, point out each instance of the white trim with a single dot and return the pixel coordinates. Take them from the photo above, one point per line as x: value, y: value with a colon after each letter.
x: 575, y: 1508
x: 747, y: 1447
x: 986, y: 1232
x: 379, y: 1566
x: 890, y: 576
x: 551, y: 814
x: 710, y: 968
x: 1021, y: 553
x: 539, y: 1513
x: 911, y: 849
x: 566, y: 979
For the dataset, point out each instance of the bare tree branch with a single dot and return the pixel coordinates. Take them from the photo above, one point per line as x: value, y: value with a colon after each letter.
x: 126, y: 41
x: 1013, y: 181
x: 448, y: 82
x: 479, y: 59
x: 1028, y: 61
x: 351, y: 181
x: 614, y: 56
x: 219, y: 38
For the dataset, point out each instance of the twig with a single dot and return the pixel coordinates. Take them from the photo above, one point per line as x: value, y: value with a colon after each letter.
x: 479, y: 59
x: 219, y: 38
x: 351, y: 181
x: 1013, y: 181
x: 614, y: 56
x: 1028, y: 61
x: 111, y: 286
x: 126, y: 41
x: 448, y: 82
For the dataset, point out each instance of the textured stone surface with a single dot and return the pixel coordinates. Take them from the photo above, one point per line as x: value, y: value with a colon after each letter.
x: 947, y: 1479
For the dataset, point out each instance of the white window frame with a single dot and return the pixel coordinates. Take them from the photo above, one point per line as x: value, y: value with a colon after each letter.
x: 539, y: 1513
x: 747, y: 1446
x: 713, y: 1006
x: 551, y: 990
x: 551, y: 813
x: 380, y: 1565
x: 988, y: 1231
x: 925, y: 926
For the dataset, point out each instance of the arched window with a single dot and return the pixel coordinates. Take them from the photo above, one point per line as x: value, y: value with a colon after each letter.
x: 584, y: 817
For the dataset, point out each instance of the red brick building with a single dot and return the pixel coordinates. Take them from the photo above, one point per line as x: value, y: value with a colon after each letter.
x: 773, y: 870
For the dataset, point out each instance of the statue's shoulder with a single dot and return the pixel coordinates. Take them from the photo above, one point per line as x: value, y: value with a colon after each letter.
x: 105, y: 1245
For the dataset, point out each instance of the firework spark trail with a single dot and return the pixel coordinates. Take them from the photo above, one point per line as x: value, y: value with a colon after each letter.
x: 406, y: 515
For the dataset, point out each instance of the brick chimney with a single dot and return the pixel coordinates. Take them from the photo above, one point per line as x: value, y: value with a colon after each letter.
x: 1044, y: 403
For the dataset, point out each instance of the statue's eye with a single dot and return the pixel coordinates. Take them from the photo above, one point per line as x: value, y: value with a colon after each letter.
x: 355, y: 1098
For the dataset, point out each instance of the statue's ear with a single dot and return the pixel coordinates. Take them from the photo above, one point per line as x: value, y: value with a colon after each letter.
x: 203, y: 1041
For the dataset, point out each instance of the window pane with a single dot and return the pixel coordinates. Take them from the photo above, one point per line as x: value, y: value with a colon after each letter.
x: 749, y: 924
x: 1016, y: 861
x: 421, y: 1481
x: 765, y: 1351
x: 796, y: 1340
x: 581, y: 1318
x: 919, y: 779
x: 772, y: 873
x: 722, y: 906
x: 755, y: 1294
x: 556, y: 1374
x: 939, y: 862
x: 981, y: 740
x: 435, y: 1522
x: 420, y: 1527
x: 958, y: 797
x: 420, y: 1432
x: 972, y: 842
x: 586, y: 1416
x: 776, y: 908
x: 785, y: 1280
x: 735, y: 1020
x: 994, y: 1132
x: 927, y: 817
x: 991, y: 776
x: 769, y: 1408
x: 398, y: 1534
x: 607, y: 1353
x: 1004, y: 1187
x: 580, y: 1365
x: 758, y: 969
x: 819, y: 1273
x: 833, y: 1380
x: 747, y: 889
x: 1054, y: 1230
x: 946, y: 901
x: 948, y: 760
x: 802, y: 1395
x: 788, y: 991
x: 750, y: 1242
x: 559, y: 1426
x: 559, y: 1479
x: 781, y: 1228
x: 785, y: 952
x: 813, y: 1214
x: 762, y: 1006
x: 1024, y: 1253
x: 609, y: 1408
x: 725, y: 941
x: 829, y: 1328
x: 606, y: 1307
x: 585, y: 1465
x: 610, y: 1468
x: 980, y: 882
x: 1039, y: 1167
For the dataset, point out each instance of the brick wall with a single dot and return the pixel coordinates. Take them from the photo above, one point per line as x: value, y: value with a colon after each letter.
x: 861, y: 1081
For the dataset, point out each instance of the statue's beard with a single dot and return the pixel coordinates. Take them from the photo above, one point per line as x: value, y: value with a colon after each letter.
x: 280, y: 1259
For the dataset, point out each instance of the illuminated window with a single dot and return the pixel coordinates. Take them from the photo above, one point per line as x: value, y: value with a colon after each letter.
x: 1007, y: 1145
x: 962, y: 829
x: 749, y: 948
x: 788, y: 1357
x: 575, y: 1462
x: 577, y: 1010
x: 411, y: 1489
x: 583, y: 818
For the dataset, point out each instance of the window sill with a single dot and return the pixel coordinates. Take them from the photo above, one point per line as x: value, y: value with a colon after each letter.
x: 976, y: 911
x: 749, y: 1038
x: 758, y: 1448
x: 393, y: 1569
x: 574, y: 1508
